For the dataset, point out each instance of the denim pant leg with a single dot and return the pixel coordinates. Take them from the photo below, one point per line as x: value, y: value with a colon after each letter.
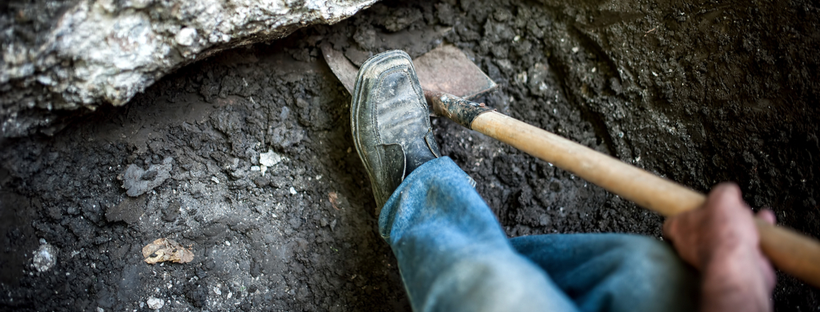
x: 453, y: 254
x: 614, y: 272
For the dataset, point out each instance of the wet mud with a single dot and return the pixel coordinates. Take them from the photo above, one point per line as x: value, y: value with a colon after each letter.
x: 246, y: 157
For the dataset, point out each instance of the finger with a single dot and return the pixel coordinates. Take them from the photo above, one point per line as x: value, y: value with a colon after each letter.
x: 767, y: 215
x: 725, y: 193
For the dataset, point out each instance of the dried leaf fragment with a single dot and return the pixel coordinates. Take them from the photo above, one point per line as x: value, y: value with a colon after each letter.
x: 334, y: 199
x: 164, y: 249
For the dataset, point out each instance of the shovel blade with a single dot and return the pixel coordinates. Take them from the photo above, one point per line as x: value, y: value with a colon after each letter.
x: 344, y: 70
x: 444, y: 69
x: 447, y: 69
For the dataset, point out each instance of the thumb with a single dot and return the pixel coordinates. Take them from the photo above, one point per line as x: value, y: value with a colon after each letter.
x: 767, y: 215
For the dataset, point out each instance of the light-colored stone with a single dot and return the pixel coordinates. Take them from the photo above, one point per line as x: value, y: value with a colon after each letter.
x: 269, y: 159
x: 45, y: 257
x: 106, y: 51
x: 155, y: 303
x: 186, y: 36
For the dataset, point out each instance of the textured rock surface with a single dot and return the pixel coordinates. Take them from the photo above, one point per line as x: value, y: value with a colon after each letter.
x: 138, y: 181
x: 64, y: 55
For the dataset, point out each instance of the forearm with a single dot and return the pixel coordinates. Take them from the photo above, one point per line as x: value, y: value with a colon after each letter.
x: 732, y: 282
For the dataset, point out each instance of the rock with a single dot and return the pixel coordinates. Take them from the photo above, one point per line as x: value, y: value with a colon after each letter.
x: 45, y: 257
x: 64, y: 55
x: 261, y: 181
x: 186, y: 36
x: 238, y: 174
x: 269, y: 159
x: 155, y: 303
x: 137, y: 181
x: 504, y: 65
x: 537, y: 80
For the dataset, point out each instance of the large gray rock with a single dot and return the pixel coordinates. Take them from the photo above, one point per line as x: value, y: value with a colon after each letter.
x: 64, y: 55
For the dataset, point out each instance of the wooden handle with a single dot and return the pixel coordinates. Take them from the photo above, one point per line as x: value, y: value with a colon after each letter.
x: 790, y: 251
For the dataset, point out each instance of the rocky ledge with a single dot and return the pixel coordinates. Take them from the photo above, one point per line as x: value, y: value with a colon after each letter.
x: 59, y: 56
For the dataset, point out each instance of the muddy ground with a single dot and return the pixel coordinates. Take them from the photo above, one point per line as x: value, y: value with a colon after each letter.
x: 699, y: 92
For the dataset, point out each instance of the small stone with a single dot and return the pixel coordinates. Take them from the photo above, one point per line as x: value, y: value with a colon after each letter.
x: 537, y: 79
x: 238, y: 174
x: 505, y: 65
x: 185, y: 37
x: 155, y: 303
x: 260, y: 181
x: 45, y: 257
x: 269, y: 159
x: 521, y: 77
x: 138, y: 181
x: 292, y: 191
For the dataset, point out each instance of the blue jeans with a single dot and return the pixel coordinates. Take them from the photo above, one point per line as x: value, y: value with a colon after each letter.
x: 454, y: 256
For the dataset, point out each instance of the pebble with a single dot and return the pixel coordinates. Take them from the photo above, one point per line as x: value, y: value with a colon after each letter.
x: 45, y: 257
x: 185, y: 37
x: 155, y: 303
x: 138, y: 181
x: 269, y: 159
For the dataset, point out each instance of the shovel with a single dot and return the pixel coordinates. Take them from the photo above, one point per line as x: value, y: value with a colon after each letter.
x: 449, y: 79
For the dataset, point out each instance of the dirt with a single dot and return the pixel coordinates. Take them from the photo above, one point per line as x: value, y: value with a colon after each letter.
x: 698, y: 92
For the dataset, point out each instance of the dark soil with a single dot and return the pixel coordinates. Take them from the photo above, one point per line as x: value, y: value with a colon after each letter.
x: 698, y: 92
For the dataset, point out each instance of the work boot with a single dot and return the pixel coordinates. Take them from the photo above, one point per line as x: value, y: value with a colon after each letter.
x: 391, y: 123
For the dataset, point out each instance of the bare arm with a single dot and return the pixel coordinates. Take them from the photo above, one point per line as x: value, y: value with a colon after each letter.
x: 720, y: 240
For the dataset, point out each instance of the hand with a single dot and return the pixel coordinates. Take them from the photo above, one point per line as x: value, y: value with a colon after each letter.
x: 720, y: 239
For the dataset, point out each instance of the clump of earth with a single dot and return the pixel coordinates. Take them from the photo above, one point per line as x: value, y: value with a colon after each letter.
x: 247, y: 159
